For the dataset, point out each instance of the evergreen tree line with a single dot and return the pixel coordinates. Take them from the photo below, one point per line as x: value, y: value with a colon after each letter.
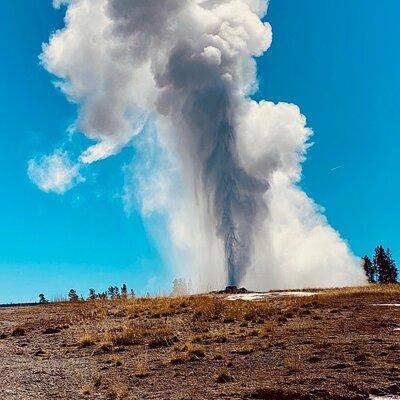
x: 113, y: 292
x: 382, y: 268
x: 180, y: 287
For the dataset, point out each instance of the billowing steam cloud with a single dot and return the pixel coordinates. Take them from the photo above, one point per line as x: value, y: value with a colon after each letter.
x: 220, y: 167
x: 54, y: 172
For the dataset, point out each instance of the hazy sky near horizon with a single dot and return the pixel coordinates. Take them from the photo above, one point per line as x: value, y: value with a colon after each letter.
x: 338, y: 61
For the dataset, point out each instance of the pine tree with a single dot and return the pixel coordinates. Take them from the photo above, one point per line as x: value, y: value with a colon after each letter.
x: 379, y: 263
x: 72, y: 295
x: 392, y: 268
x: 102, y: 296
x: 111, y: 292
x: 124, y: 291
x: 369, y: 269
x: 92, y: 294
x: 385, y: 266
x: 42, y: 299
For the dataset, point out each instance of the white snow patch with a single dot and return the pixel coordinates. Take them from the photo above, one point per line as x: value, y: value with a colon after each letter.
x: 390, y: 397
x: 388, y: 305
x: 266, y: 295
x: 248, y: 296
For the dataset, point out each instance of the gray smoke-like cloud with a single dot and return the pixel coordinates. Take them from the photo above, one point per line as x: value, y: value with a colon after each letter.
x: 206, y: 108
x: 198, y: 94
x: 188, y: 65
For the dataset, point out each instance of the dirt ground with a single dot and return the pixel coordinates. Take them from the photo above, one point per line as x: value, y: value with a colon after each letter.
x: 338, y: 344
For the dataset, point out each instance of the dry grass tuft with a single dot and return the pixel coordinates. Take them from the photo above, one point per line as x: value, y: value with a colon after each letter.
x: 292, y: 364
x: 86, y: 340
x: 177, y: 359
x: 194, y: 351
x: 142, y: 370
x: 116, y: 361
x: 119, y: 392
x: 105, y: 346
x: 86, y: 390
x: 223, y: 376
x: 218, y: 356
x: 153, y: 336
x: 268, y: 329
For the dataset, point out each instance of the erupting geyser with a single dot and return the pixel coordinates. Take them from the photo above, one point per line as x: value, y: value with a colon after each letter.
x: 220, y: 167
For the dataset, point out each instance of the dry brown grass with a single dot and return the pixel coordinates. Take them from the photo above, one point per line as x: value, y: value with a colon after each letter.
x: 119, y: 392
x: 214, y: 308
x: 224, y: 376
x: 200, y: 334
x: 189, y: 352
x: 194, y: 351
x: 86, y: 390
x: 142, y: 369
x: 144, y: 321
x: 292, y: 364
x: 153, y: 336
x: 177, y: 359
x: 116, y: 361
x: 86, y: 340
x: 105, y: 346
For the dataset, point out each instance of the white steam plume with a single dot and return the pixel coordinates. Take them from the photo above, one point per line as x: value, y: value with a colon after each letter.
x: 54, y: 172
x: 226, y: 168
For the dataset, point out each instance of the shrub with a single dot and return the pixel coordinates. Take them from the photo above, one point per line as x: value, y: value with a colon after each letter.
x: 86, y: 340
x: 194, y: 351
x: 223, y: 376
x: 118, y: 392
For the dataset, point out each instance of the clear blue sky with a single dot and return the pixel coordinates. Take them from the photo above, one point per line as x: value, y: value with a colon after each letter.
x: 339, y: 61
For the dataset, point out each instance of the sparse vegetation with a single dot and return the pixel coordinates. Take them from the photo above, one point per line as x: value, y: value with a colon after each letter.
x: 116, y: 361
x: 194, y: 351
x: 292, y: 364
x: 224, y: 376
x: 142, y: 370
x: 86, y: 390
x: 139, y: 345
x: 86, y: 340
x: 118, y: 392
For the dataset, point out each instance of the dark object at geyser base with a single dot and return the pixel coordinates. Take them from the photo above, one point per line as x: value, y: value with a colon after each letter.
x: 233, y: 290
